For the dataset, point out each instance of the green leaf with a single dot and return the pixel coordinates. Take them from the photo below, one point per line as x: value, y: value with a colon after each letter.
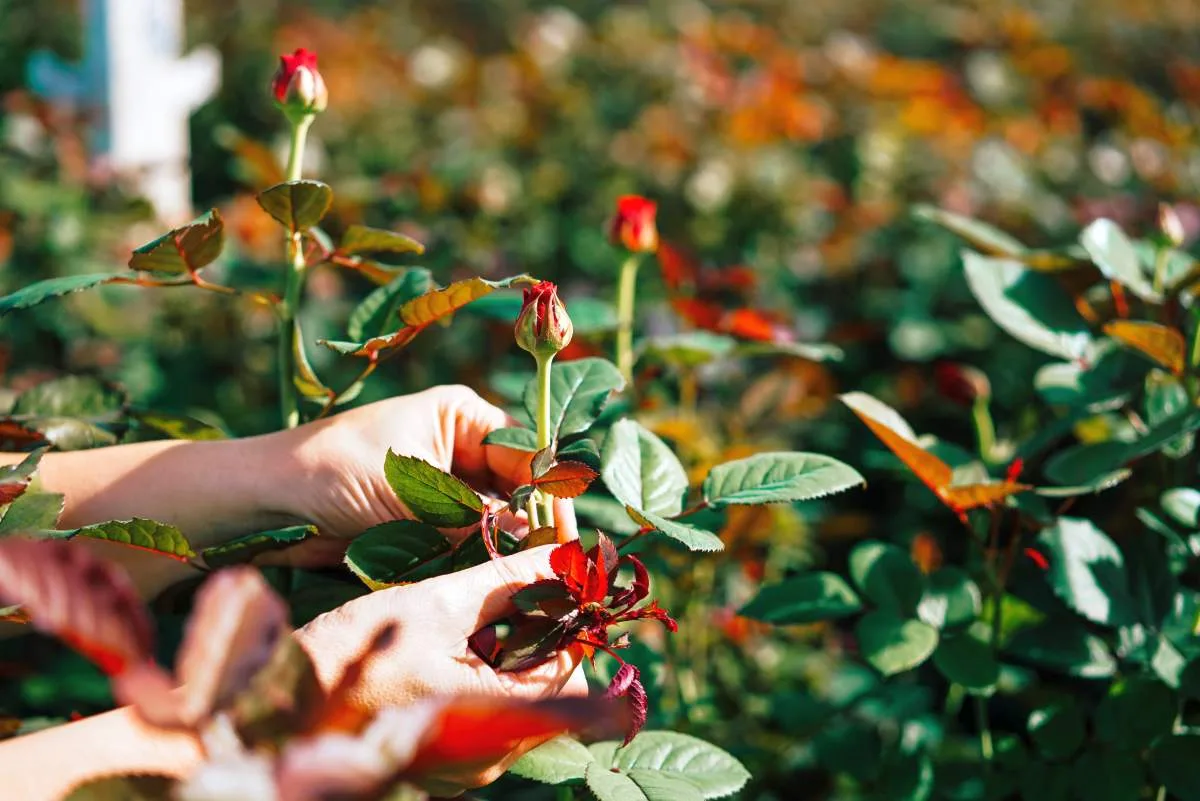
x: 690, y: 349
x: 1134, y: 712
x: 807, y: 598
x: 1057, y: 730
x: 386, y: 552
x: 1106, y: 775
x: 813, y: 351
x: 341, y: 348
x: 70, y: 396
x: 581, y: 450
x: 297, y: 205
x: 1173, y: 761
x: 777, y: 478
x: 892, y: 644
x: 1087, y: 571
x: 887, y: 576
x: 1116, y: 257
x: 29, y: 296
x: 184, y: 249
x: 519, y: 439
x: 33, y: 511
x: 979, y: 235
x: 694, y: 539
x: 362, y: 239
x: 1030, y: 307
x: 609, y: 786
x: 378, y: 313
x: 641, y: 471
x: 149, y: 535
x: 1064, y: 646
x: 579, y: 391
x: 968, y: 661
x: 951, y: 600
x: 433, y: 497
x: 179, y: 426
x: 305, y: 378
x: 605, y: 513
x: 244, y: 549
x: 1183, y: 504
x: 713, y: 772
x: 69, y: 434
x: 563, y: 759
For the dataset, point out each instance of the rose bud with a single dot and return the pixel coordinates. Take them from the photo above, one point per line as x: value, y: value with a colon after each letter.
x: 543, y: 327
x: 633, y: 226
x: 1170, y: 224
x: 961, y: 383
x: 298, y: 87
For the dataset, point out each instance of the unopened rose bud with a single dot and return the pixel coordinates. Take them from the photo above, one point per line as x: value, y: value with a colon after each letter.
x: 543, y: 327
x: 633, y: 225
x: 298, y: 87
x: 1170, y: 224
x: 961, y: 383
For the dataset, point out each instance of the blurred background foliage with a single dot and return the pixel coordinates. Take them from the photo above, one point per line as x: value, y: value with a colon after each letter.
x: 789, y: 138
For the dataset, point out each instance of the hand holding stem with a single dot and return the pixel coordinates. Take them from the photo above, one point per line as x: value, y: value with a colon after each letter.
x: 543, y: 329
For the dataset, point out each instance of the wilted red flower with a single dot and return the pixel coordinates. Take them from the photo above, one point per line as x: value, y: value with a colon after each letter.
x: 577, y: 607
x: 297, y: 86
x: 633, y: 226
x: 543, y: 327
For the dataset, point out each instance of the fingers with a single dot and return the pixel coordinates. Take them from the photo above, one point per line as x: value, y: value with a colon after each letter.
x: 564, y: 520
x: 469, y: 418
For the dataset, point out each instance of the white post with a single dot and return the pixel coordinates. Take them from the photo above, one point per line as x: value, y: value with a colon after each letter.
x: 138, y: 93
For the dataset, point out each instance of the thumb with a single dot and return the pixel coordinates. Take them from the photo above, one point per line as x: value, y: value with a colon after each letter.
x: 484, y: 592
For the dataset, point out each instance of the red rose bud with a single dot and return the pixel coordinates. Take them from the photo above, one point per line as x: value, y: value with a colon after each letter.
x: 543, y: 327
x: 961, y: 383
x: 298, y: 87
x: 633, y: 226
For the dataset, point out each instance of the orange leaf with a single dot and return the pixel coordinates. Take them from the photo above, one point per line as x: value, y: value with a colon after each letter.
x: 566, y: 479
x: 1162, y: 344
x: 894, y: 432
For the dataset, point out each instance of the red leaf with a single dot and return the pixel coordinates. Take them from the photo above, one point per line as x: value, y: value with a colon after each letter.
x: 570, y: 563
x: 566, y: 479
x: 627, y: 683
x: 86, y: 602
x: 483, y: 731
x: 596, y: 588
x: 237, y: 621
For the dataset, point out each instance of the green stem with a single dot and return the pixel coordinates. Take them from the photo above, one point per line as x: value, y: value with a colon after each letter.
x: 289, y: 402
x: 563, y: 792
x: 626, y: 286
x: 544, y: 364
x: 985, y: 429
x: 1160, y: 267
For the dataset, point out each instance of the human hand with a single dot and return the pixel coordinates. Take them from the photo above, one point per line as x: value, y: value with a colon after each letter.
x: 430, y: 656
x: 334, y: 475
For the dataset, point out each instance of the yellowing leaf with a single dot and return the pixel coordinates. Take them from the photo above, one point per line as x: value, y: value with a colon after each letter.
x: 432, y: 306
x: 422, y: 311
x: 894, y: 432
x: 1158, y: 342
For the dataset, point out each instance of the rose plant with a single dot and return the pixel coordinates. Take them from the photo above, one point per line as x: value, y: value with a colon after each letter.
x: 649, y: 500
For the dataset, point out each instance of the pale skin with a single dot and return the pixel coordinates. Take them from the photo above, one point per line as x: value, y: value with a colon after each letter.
x: 329, y: 473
